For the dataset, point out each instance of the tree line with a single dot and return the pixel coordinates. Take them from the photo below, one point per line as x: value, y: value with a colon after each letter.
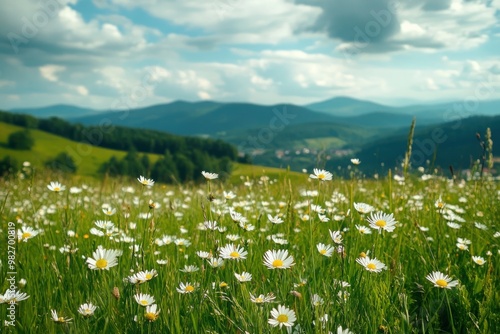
x: 122, y: 138
x: 182, y: 158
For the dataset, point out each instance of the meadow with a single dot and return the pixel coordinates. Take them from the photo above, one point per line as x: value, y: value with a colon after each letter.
x: 278, y: 253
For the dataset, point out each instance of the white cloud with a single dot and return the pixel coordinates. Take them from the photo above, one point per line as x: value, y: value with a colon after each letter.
x: 82, y: 90
x: 230, y: 21
x: 463, y: 25
x: 49, y: 72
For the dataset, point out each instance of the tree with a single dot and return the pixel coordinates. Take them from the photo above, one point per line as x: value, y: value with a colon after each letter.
x: 62, y: 162
x: 21, y: 140
x: 113, y: 167
x: 164, y: 169
x: 8, y: 165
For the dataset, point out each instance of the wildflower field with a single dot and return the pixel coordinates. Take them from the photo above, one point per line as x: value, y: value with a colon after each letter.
x: 414, y: 254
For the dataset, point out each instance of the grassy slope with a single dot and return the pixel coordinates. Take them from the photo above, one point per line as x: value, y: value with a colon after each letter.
x: 88, y: 158
x: 241, y: 172
x: 48, y: 145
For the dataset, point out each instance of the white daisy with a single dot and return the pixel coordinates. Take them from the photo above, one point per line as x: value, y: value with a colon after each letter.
x: 478, y: 260
x: 144, y: 299
x: 282, y: 316
x: 152, y: 312
x: 233, y: 252
x: 321, y: 175
x: 56, y: 187
x: 209, y: 176
x: 441, y: 280
x: 145, y: 182
x: 278, y: 259
x: 336, y: 236
x: 363, y: 208
x: 382, y: 221
x: 103, y: 258
x: 326, y: 250
x: 243, y: 277
x: 87, y: 309
x: 372, y: 265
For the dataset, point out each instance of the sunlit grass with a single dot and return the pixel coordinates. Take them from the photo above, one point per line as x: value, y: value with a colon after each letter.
x: 160, y: 228
x: 47, y: 146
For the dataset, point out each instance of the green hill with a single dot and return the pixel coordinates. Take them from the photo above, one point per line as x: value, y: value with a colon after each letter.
x: 448, y: 144
x: 88, y: 158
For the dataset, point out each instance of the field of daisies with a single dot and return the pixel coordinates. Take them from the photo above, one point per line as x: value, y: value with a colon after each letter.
x: 414, y: 254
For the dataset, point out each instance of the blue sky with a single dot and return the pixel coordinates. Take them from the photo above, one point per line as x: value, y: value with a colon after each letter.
x: 112, y: 54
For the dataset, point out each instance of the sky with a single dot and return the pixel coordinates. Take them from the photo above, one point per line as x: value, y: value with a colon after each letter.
x: 122, y: 54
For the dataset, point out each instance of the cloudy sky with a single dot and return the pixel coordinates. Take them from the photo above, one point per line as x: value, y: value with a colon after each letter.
x: 109, y: 54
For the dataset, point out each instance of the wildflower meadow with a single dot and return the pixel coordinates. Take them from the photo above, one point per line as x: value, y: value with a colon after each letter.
x: 312, y: 253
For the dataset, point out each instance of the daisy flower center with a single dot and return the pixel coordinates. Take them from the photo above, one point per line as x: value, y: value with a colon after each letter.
x: 322, y: 252
x: 479, y: 261
x: 150, y: 316
x: 259, y: 300
x: 234, y: 254
x: 442, y: 283
x: 26, y: 235
x: 282, y: 318
x: 380, y: 223
x: 149, y: 276
x: 57, y: 188
x: 101, y: 263
x: 371, y: 266
x: 144, y: 302
x: 277, y: 263
x: 321, y: 176
x: 189, y: 288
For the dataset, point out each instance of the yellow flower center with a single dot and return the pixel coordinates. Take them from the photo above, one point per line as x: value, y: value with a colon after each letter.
x: 57, y: 189
x: 259, y: 300
x: 322, y: 252
x: 321, y: 176
x: 440, y: 205
x: 149, y: 276
x: 371, y: 266
x: 234, y: 254
x: 442, y: 283
x: 277, y: 263
x: 101, y: 263
x: 189, y: 288
x: 150, y: 316
x: 282, y: 318
x: 144, y: 302
x: 380, y: 223
x: 222, y: 284
x: 479, y: 261
x: 26, y: 235
x: 60, y: 319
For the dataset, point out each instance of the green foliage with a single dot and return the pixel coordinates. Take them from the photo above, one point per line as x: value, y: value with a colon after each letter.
x: 21, y: 140
x: 398, y: 299
x: 87, y: 158
x: 8, y: 165
x: 179, y: 167
x: 63, y: 162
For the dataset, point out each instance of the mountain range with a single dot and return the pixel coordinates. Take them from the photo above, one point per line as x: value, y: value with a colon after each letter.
x: 297, y: 136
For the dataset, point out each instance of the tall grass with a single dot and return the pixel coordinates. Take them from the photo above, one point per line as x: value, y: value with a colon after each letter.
x: 397, y: 300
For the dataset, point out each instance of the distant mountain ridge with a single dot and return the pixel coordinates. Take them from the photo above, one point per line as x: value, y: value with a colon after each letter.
x: 275, y: 135
x: 347, y: 106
